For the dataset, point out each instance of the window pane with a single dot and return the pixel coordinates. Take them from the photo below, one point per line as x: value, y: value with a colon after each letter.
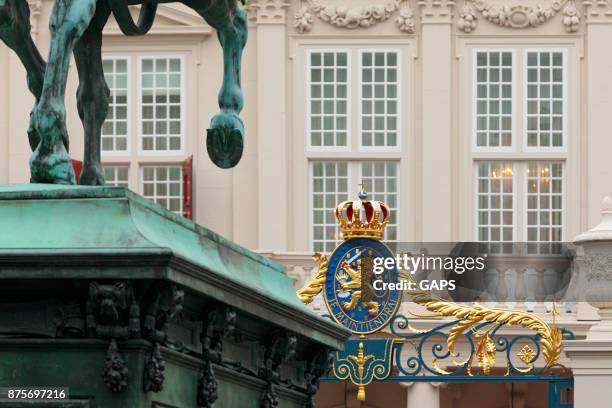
x: 329, y: 188
x: 115, y: 128
x: 382, y: 184
x: 379, y: 88
x: 494, y: 99
x: 494, y: 203
x: 162, y: 98
x: 116, y: 176
x: 328, y: 84
x: 545, y: 99
x: 164, y: 186
x: 544, y: 205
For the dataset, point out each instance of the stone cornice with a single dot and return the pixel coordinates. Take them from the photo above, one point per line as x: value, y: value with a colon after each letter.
x: 597, y: 11
x: 267, y: 11
x: 436, y: 11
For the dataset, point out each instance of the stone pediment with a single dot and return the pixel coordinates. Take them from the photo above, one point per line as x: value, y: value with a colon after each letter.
x: 169, y: 20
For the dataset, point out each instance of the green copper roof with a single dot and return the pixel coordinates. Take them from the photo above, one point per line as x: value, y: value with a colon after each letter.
x: 55, y: 221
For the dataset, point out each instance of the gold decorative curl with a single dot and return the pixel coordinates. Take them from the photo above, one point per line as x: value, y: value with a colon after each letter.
x: 550, y: 336
x: 307, y: 293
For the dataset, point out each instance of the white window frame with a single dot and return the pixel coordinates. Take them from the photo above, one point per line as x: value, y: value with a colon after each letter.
x: 117, y: 166
x: 354, y: 176
x: 311, y: 224
x: 399, y: 131
x: 563, y: 148
x: 349, y: 136
x: 127, y: 152
x: 183, y: 137
x: 515, y: 176
x: 474, y: 97
x: 142, y: 167
x: 563, y: 198
x: 396, y: 211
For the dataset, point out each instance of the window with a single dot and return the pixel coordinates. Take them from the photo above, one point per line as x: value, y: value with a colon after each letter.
x: 379, y: 98
x: 161, y: 104
x: 163, y: 185
x: 495, y: 202
x: 336, y: 181
x: 518, y: 200
x: 381, y: 178
x: 116, y: 125
x: 329, y: 99
x: 545, y: 99
x: 116, y: 176
x: 338, y: 159
x: 494, y: 82
x: 158, y: 118
x: 544, y: 205
x: 330, y: 186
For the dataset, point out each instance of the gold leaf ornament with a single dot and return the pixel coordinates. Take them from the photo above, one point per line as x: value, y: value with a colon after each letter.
x: 307, y: 293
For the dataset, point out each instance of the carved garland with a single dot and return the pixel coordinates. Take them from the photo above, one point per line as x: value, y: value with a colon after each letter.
x: 351, y: 18
x: 518, y: 16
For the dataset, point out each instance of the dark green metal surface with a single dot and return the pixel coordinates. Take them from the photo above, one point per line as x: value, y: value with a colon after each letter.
x: 130, y: 305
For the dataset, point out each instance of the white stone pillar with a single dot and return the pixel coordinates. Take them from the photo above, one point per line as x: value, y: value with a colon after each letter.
x: 272, y: 123
x: 591, y: 359
x: 591, y: 363
x: 422, y: 394
x: 436, y: 134
x: 599, y: 103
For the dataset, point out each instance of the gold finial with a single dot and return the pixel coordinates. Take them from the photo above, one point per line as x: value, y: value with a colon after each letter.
x: 361, y: 359
x: 363, y: 194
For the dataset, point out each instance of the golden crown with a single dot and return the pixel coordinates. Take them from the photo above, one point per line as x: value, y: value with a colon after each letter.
x: 362, y: 217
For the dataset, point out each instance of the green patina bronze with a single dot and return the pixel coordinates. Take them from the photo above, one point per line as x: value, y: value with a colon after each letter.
x: 76, y: 27
x: 130, y: 305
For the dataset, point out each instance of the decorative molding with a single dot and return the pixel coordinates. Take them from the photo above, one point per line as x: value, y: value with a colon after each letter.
x: 597, y: 11
x: 355, y: 17
x: 267, y: 11
x: 436, y: 11
x: 35, y: 9
x: 519, y: 16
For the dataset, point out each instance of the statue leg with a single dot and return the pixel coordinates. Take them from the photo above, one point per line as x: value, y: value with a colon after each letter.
x: 15, y: 33
x: 50, y: 162
x: 225, y: 135
x: 93, y: 94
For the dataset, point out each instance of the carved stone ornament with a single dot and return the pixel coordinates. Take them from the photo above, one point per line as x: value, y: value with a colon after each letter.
x: 115, y: 370
x: 207, y: 386
x: 153, y: 379
x: 279, y: 350
x: 355, y: 17
x: 518, y: 16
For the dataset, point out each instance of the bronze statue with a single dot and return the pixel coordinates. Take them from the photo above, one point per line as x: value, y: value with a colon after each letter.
x: 76, y: 26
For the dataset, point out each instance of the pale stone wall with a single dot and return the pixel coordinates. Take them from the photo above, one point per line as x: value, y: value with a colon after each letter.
x: 264, y: 202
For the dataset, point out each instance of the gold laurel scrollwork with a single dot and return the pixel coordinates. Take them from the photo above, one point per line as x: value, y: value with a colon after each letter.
x: 307, y: 293
x: 550, y: 336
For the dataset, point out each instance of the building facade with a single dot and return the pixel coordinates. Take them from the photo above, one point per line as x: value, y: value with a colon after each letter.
x: 474, y: 121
